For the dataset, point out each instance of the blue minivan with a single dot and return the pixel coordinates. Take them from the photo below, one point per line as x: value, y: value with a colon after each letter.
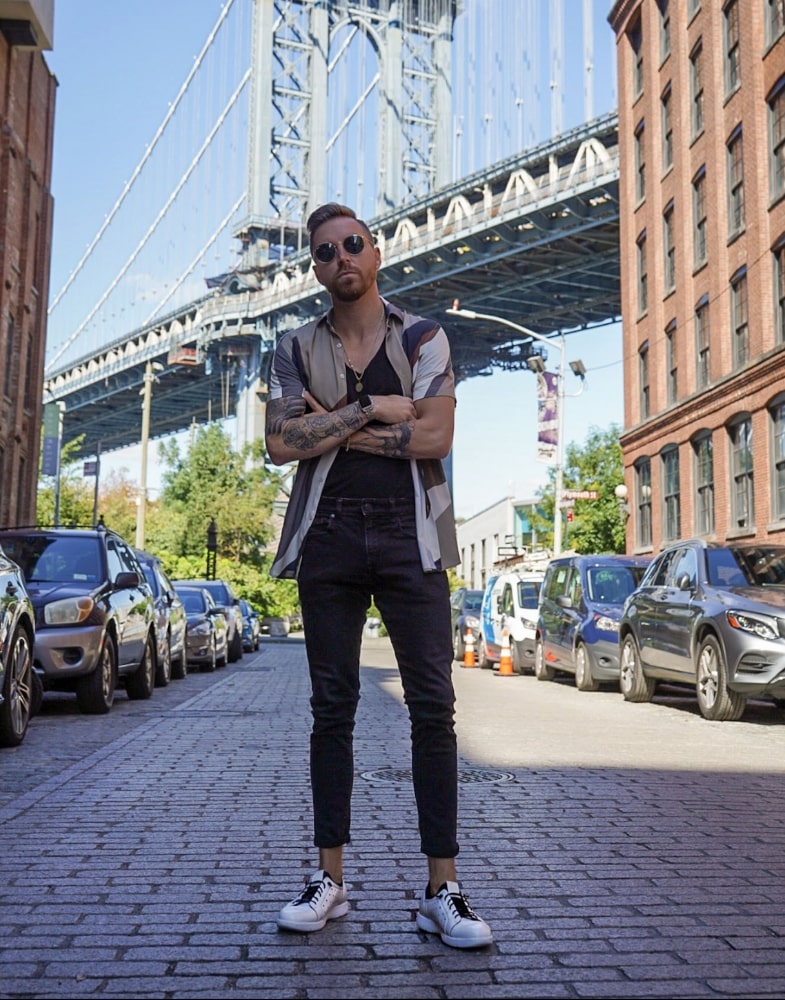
x: 581, y: 602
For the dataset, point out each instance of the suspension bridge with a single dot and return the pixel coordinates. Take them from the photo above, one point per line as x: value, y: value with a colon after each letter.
x: 442, y: 121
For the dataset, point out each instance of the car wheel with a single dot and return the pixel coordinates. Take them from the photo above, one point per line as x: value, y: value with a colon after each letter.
x: 583, y: 676
x: 542, y: 671
x: 179, y: 667
x: 482, y: 654
x: 458, y: 646
x: 16, y: 709
x: 715, y: 700
x: 634, y: 684
x: 163, y: 670
x: 95, y: 692
x: 236, y: 647
x: 141, y: 682
x: 515, y: 656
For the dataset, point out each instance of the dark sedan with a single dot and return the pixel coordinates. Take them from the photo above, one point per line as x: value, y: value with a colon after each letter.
x: 206, y: 644
x: 710, y: 616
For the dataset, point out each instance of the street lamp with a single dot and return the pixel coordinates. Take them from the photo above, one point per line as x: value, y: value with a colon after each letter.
x: 536, y: 364
x: 146, y: 393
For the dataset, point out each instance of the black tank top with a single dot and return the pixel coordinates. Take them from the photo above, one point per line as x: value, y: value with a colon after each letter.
x: 357, y: 474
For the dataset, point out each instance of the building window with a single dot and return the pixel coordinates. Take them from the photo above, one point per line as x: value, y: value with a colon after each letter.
x: 731, y: 42
x: 636, y: 43
x: 643, y: 378
x: 702, y: 341
x: 740, y: 327
x: 703, y: 449
x: 742, y: 493
x: 775, y: 20
x: 778, y: 459
x: 693, y: 6
x: 669, y: 248
x: 665, y: 29
x: 27, y: 400
x: 779, y: 289
x: 667, y: 130
x: 696, y: 89
x: 700, y: 245
x: 670, y: 362
x: 671, y: 505
x: 642, y: 274
x: 640, y: 162
x: 735, y: 184
x: 643, y: 503
x: 777, y: 138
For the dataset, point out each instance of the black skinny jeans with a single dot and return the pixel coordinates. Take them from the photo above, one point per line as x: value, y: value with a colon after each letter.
x: 356, y: 551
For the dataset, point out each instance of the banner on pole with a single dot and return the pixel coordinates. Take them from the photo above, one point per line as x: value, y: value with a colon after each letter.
x: 50, y: 456
x: 547, y: 417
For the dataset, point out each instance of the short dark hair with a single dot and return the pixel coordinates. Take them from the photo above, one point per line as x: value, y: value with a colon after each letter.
x: 332, y: 210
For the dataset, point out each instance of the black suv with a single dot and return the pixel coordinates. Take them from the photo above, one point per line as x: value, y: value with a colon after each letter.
x: 94, y: 615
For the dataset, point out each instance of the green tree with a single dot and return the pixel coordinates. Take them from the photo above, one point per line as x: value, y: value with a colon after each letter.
x: 77, y: 494
x: 597, y: 525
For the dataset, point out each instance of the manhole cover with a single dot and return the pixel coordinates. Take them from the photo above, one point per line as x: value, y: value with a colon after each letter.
x: 466, y: 775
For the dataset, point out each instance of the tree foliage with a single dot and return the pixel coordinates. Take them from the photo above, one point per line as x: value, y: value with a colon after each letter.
x: 597, y: 525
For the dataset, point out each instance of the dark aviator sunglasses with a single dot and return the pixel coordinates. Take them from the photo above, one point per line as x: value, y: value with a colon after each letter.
x: 326, y: 252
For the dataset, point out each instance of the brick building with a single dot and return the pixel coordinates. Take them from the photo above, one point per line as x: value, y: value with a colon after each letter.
x: 702, y: 140
x: 27, y: 100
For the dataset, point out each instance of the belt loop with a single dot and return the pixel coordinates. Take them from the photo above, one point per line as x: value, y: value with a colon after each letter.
x: 338, y: 505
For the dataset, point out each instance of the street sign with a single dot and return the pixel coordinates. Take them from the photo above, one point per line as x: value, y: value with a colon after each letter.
x: 581, y: 495
x: 90, y: 469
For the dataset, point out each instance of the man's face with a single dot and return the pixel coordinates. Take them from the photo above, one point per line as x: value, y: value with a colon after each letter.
x: 348, y: 276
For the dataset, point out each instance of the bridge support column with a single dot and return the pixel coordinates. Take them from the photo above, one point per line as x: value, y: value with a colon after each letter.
x: 251, y: 408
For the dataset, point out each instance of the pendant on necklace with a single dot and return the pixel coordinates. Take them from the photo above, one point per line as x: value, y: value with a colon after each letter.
x: 358, y: 386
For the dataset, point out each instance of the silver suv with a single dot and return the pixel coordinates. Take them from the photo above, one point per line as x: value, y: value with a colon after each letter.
x: 223, y: 595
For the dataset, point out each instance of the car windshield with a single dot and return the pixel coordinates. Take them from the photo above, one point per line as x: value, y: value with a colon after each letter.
x: 192, y: 601
x: 612, y: 584
x: 746, y: 565
x: 473, y: 601
x: 56, y: 559
x: 528, y: 594
x: 217, y: 591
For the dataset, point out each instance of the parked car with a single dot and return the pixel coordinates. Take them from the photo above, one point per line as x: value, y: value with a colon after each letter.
x: 170, y: 621
x: 206, y: 631
x: 252, y: 626
x: 224, y: 597
x: 20, y: 690
x: 465, y: 609
x: 710, y: 616
x: 581, y: 602
x: 509, y: 605
x: 94, y: 614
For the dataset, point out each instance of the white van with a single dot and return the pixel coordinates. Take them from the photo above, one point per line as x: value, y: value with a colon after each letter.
x: 510, y: 603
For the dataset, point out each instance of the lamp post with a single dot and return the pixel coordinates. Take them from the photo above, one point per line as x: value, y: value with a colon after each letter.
x: 578, y: 369
x: 212, y: 548
x: 147, y: 394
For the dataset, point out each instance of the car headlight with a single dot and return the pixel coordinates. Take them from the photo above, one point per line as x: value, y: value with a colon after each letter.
x: 203, y: 628
x: 472, y: 622
x: 765, y: 628
x: 605, y: 624
x: 69, y: 611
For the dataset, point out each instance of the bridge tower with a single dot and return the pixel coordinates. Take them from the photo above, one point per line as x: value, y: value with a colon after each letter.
x: 301, y: 48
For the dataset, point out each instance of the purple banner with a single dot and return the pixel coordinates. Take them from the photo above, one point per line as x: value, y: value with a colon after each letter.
x: 547, y: 417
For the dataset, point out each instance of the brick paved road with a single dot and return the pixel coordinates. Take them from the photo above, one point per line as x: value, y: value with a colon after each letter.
x: 617, y: 850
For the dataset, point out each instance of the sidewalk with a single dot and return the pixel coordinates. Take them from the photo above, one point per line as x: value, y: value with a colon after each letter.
x: 155, y: 867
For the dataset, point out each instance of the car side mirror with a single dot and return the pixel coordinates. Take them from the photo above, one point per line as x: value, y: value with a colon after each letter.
x: 684, y: 582
x: 563, y: 601
x: 126, y: 581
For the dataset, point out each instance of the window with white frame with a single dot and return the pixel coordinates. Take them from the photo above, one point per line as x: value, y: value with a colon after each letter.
x: 776, y: 103
x: 703, y: 451
x: 740, y: 325
x: 702, y: 343
x: 635, y: 36
x: 643, y: 379
x: 667, y: 129
x: 779, y: 289
x: 671, y: 364
x: 668, y: 249
x: 775, y: 20
x: 735, y: 159
x: 696, y: 89
x: 671, y: 499
x: 742, y: 484
x: 699, y: 219
x: 665, y: 29
x: 643, y: 280
x: 732, y: 52
x: 643, y: 534
x: 777, y: 416
x: 640, y: 161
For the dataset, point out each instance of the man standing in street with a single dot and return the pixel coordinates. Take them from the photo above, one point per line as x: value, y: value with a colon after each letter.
x: 363, y: 400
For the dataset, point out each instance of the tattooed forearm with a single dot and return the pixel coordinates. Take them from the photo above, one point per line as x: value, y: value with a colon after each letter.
x: 303, y: 431
x: 390, y: 440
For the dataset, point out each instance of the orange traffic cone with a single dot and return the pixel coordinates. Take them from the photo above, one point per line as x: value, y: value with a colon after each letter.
x: 469, y: 659
x: 505, y: 660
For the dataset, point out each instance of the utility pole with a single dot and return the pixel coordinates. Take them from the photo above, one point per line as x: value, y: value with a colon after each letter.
x: 146, y: 393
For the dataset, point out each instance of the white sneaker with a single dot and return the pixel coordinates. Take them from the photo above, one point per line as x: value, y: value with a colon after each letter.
x: 321, y: 900
x: 449, y: 915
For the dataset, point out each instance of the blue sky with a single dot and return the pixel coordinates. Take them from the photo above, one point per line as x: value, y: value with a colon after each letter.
x: 118, y: 65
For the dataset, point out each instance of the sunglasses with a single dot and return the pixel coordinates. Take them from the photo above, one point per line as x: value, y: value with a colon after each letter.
x: 325, y: 252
